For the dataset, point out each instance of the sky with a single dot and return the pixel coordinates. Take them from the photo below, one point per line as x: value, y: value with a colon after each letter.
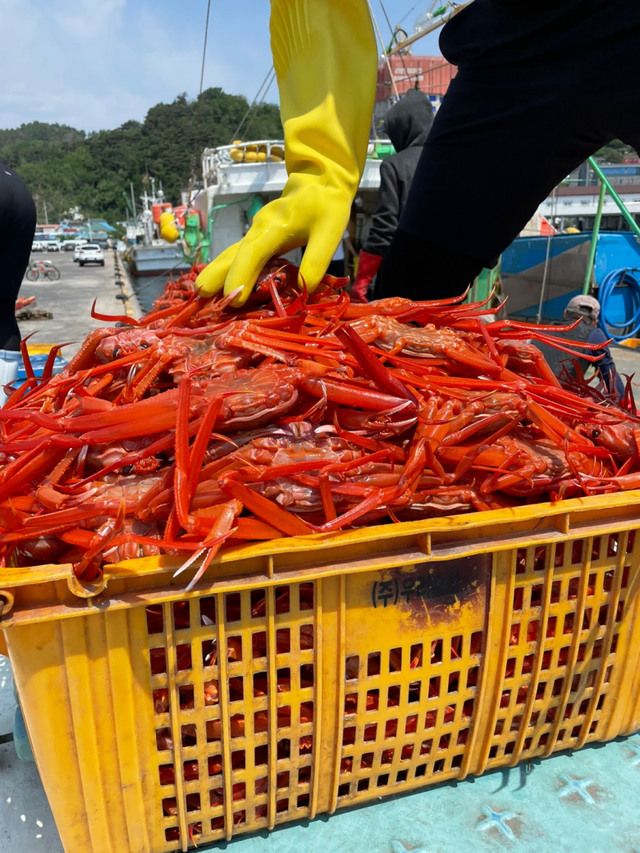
x: 94, y: 64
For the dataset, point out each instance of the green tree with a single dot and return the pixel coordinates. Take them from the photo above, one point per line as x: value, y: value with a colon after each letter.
x: 68, y: 168
x: 615, y: 152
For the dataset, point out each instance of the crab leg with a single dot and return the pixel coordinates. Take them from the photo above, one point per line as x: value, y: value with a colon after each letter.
x: 264, y: 508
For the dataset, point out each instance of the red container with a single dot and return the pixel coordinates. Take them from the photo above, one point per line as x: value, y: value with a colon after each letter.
x: 432, y: 74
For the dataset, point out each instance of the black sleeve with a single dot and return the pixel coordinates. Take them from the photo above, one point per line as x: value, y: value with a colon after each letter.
x: 605, y: 366
x: 526, y: 8
x: 385, y: 219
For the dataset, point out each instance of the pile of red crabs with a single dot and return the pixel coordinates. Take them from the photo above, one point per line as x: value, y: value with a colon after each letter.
x: 203, y: 424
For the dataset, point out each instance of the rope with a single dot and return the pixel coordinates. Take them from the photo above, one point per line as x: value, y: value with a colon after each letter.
x: 384, y: 52
x: 451, y: 10
x: 158, y: 277
x: 392, y: 31
x: 404, y: 17
x: 270, y: 77
x: 255, y: 112
x: 629, y: 327
x: 204, y: 49
x: 547, y: 263
x: 192, y: 177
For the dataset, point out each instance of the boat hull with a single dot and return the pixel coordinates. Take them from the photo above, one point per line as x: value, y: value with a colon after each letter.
x: 523, y: 267
x: 156, y: 260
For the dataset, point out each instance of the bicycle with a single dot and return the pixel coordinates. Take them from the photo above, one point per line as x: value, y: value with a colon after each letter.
x: 44, y: 268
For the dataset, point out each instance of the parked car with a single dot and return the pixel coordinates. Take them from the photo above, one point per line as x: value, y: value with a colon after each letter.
x: 68, y: 247
x: 90, y: 253
x: 53, y: 246
x: 37, y: 246
x: 76, y: 248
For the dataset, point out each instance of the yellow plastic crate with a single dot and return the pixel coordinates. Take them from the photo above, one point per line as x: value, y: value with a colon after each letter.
x: 355, y: 665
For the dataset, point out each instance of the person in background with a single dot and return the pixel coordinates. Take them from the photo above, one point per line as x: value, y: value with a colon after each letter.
x: 587, y: 310
x: 337, y: 265
x: 17, y: 228
x: 407, y: 124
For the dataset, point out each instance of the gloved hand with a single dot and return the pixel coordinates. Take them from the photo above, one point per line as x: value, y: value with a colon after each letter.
x: 368, y: 266
x: 168, y: 230
x: 324, y: 54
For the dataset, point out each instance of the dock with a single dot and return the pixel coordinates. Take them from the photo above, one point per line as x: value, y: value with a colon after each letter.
x: 71, y: 298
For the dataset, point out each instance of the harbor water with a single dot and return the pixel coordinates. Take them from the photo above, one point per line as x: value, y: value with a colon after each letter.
x: 149, y: 289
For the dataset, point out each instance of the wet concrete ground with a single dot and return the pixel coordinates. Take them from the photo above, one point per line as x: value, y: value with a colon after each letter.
x: 70, y: 300
x: 628, y: 363
x: 26, y: 822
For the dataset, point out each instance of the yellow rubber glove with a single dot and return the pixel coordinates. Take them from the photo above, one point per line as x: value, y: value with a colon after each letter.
x: 325, y: 57
x: 168, y: 230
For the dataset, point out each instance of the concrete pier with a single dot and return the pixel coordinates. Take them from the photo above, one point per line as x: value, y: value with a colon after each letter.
x: 70, y: 300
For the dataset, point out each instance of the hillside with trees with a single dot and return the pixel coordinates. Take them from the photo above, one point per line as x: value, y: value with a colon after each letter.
x: 68, y: 168
x: 615, y: 152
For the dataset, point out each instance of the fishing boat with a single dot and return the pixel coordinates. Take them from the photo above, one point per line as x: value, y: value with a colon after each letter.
x: 147, y: 254
x: 155, y: 258
x: 541, y: 274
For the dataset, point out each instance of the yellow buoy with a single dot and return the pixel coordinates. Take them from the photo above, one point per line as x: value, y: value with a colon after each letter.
x: 168, y: 230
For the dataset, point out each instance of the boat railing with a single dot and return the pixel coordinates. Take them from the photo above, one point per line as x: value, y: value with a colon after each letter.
x: 240, y: 153
x: 265, y: 151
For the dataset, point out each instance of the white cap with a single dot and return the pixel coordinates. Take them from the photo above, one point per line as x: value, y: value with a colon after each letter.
x: 584, y: 306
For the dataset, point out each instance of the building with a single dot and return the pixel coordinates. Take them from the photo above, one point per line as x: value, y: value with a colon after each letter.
x: 430, y: 74
x: 575, y: 206
x: 91, y: 229
x: 619, y: 174
x: 49, y: 232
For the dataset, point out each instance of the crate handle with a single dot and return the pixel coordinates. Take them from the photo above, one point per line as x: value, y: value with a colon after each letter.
x: 140, y: 568
x: 87, y: 589
x: 7, y: 600
x: 16, y: 576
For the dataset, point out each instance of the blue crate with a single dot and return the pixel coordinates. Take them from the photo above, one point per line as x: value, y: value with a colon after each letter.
x: 38, y: 362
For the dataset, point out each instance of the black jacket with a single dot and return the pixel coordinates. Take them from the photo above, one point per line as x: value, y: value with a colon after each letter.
x: 407, y: 123
x: 502, y: 32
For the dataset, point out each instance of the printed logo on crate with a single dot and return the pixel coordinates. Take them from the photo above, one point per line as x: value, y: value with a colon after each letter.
x: 442, y: 584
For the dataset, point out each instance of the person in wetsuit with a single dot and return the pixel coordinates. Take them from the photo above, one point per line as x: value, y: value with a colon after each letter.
x: 540, y: 87
x: 407, y: 125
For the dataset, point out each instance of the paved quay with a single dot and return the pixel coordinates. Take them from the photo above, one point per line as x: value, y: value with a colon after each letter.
x: 70, y: 300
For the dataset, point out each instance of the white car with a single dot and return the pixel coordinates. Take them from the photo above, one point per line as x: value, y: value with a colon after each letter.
x: 53, y: 246
x: 90, y: 253
x: 37, y: 246
x: 76, y: 249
